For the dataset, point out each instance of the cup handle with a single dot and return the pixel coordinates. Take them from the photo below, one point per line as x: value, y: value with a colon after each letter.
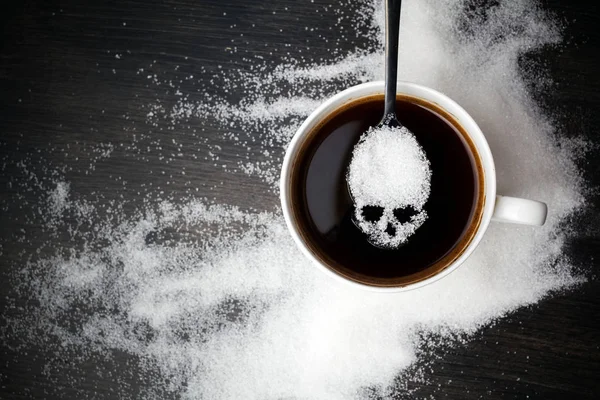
x: 519, y: 211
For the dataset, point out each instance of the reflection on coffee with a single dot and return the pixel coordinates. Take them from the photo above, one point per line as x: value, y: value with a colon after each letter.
x: 323, y: 207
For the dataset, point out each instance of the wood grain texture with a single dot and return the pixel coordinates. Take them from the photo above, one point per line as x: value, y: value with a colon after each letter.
x: 63, y: 92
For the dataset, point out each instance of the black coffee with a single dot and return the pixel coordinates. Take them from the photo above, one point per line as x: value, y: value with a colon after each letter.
x: 323, y: 207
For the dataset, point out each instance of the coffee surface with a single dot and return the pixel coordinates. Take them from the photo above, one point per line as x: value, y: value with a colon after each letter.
x: 324, y: 208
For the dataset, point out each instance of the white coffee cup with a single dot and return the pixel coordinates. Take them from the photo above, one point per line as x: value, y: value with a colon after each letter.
x: 495, y: 207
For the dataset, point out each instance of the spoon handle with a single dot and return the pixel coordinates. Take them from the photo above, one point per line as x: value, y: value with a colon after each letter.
x: 392, y: 26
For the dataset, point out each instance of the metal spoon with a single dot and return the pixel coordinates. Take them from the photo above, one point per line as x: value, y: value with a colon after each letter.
x: 392, y: 27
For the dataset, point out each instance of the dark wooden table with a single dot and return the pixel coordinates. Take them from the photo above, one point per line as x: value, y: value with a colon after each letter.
x: 62, y: 87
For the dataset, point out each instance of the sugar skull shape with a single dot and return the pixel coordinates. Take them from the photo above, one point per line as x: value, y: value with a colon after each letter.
x: 389, y: 178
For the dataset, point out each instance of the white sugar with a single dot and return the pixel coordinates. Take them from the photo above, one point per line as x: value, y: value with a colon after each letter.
x: 58, y: 199
x: 389, y: 168
x: 217, y: 303
x: 390, y: 171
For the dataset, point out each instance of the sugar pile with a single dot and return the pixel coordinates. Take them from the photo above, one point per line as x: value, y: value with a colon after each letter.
x: 389, y: 171
x: 221, y: 303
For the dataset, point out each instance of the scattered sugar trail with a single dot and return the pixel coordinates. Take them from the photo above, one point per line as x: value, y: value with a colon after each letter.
x: 222, y: 303
x: 58, y: 199
x: 239, y: 313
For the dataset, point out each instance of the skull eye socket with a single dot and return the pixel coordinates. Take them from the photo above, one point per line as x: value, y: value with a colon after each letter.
x: 372, y: 213
x: 404, y: 214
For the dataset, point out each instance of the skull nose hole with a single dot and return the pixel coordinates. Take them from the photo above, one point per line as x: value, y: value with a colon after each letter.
x: 404, y: 214
x: 390, y: 230
x: 372, y: 213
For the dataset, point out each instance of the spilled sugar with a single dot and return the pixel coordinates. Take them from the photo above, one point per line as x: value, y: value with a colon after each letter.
x: 239, y: 313
x: 57, y: 201
x: 389, y: 171
x: 221, y: 302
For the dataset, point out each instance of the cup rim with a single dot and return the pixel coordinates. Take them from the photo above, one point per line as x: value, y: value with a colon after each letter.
x: 410, y: 89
